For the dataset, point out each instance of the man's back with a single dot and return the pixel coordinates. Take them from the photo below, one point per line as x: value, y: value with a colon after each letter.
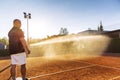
x: 15, y: 46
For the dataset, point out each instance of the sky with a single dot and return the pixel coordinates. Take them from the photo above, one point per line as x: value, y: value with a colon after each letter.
x: 48, y: 16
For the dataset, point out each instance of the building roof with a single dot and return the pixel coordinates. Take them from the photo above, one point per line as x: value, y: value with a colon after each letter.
x: 93, y: 32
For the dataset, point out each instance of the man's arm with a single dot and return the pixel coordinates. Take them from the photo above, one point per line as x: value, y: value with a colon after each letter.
x: 25, y: 45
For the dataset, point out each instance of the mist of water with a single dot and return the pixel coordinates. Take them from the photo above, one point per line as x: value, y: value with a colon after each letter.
x: 71, y: 47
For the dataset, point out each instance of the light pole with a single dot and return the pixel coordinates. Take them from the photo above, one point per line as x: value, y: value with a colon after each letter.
x: 27, y: 16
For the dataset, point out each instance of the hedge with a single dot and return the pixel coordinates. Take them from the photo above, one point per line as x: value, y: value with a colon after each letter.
x: 4, y: 52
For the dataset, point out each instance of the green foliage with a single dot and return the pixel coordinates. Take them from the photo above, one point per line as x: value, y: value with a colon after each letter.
x: 63, y: 31
x: 100, y: 28
x: 114, y: 46
x: 4, y: 53
x: 4, y: 40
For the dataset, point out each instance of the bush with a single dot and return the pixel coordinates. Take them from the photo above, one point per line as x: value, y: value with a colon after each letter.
x: 114, y: 46
x: 4, y: 52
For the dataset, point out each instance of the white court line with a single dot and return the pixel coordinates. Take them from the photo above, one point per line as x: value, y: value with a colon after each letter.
x: 6, y: 67
x: 115, y: 78
x: 61, y: 72
x: 90, y: 65
x: 99, y: 65
x: 103, y: 66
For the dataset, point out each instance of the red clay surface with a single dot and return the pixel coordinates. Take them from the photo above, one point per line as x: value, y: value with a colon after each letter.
x: 97, y: 68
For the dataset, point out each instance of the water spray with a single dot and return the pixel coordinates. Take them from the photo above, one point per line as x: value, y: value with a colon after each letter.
x: 82, y: 46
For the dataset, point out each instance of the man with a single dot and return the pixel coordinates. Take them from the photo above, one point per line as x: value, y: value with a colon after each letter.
x: 17, y: 49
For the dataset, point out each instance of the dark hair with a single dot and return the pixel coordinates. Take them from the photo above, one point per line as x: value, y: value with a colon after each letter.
x: 16, y: 20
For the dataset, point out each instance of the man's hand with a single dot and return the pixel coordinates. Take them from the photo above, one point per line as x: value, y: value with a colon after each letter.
x: 28, y: 51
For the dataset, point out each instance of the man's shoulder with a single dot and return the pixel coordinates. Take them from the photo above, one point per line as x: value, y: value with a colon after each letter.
x: 16, y: 31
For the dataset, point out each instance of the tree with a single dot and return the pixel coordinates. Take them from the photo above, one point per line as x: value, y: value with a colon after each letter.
x: 4, y: 40
x: 63, y: 31
x: 3, y: 43
x: 100, y: 28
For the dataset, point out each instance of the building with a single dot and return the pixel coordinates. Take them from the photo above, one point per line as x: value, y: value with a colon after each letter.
x: 111, y: 34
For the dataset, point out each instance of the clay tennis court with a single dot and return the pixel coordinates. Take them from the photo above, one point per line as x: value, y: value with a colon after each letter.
x: 59, y: 68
